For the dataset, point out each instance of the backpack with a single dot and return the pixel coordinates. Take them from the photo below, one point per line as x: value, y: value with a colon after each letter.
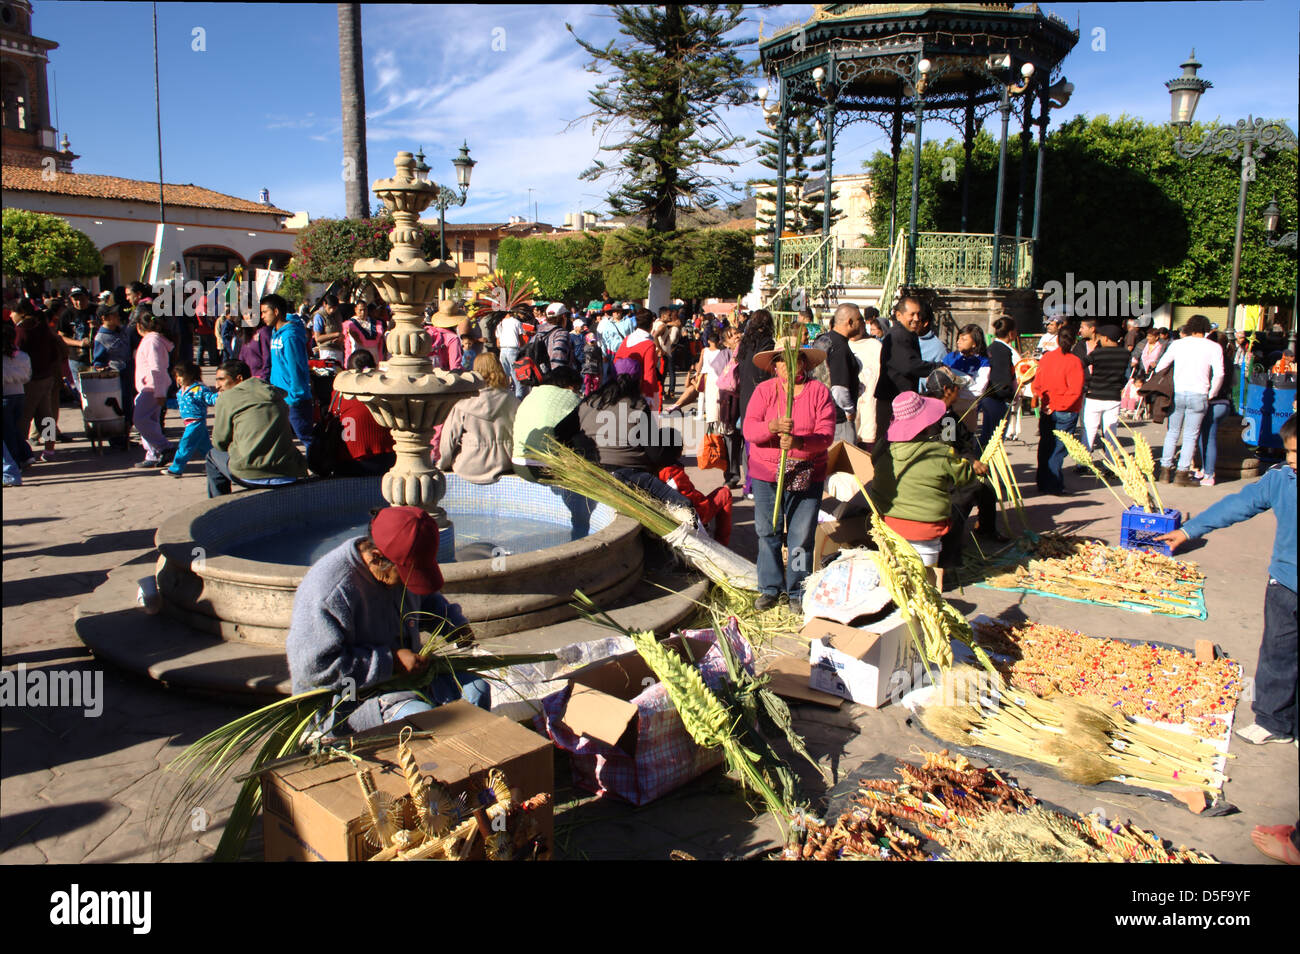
x: 327, y: 444
x: 593, y: 357
x: 533, y: 360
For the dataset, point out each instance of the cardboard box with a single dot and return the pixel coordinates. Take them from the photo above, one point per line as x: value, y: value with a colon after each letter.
x: 790, y: 679
x: 316, y: 813
x: 845, y: 458
x: 836, y: 535
x: 857, y: 664
x: 619, y: 726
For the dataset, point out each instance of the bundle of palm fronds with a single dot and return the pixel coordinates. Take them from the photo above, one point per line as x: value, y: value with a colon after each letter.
x: 740, y: 717
x: 284, y: 727
x: 565, y: 467
x: 931, y: 620
x: 1084, y: 743
x: 1002, y: 478
x: 570, y: 470
x: 758, y: 627
x: 1136, y: 471
x: 790, y: 346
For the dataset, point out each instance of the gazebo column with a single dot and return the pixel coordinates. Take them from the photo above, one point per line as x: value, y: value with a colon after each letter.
x: 919, y: 106
x: 968, y: 143
x: 1025, y: 177
x: 1004, y: 107
x: 895, y: 150
x: 1038, y: 179
x: 780, y: 180
x: 828, y: 190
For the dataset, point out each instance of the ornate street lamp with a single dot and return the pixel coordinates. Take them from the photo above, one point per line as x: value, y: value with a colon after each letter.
x: 1238, y: 140
x: 1272, y: 219
x: 1004, y: 107
x: 448, y: 197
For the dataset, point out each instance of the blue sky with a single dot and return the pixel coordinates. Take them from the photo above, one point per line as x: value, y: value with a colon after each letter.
x: 259, y: 107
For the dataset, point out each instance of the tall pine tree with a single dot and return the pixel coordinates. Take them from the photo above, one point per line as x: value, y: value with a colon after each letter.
x: 672, y: 71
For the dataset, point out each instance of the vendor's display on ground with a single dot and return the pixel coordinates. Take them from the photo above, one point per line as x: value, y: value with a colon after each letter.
x: 1140, y: 680
x: 947, y: 809
x: 1081, y: 742
x: 1089, y: 571
x: 458, y: 783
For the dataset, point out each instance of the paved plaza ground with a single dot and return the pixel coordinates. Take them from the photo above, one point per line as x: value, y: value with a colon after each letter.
x: 77, y: 789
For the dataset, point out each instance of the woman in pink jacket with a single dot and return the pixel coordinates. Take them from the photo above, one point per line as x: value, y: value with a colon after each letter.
x: 806, y: 434
x: 151, y: 384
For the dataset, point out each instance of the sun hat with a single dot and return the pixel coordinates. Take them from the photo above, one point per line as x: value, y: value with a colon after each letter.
x: 408, y: 537
x: 579, y: 324
x: 556, y: 308
x: 764, y: 359
x: 78, y: 290
x: 913, y: 414
x: 449, y: 314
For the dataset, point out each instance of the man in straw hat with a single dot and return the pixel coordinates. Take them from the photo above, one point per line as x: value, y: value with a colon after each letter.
x: 804, y: 434
x: 357, y: 621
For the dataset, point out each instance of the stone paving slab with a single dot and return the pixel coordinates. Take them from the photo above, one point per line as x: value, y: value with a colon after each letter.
x: 74, y: 789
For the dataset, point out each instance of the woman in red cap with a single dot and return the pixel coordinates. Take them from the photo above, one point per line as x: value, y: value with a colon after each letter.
x: 358, y: 618
x: 913, y: 483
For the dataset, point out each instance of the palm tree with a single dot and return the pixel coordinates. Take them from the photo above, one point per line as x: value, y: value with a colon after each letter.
x: 352, y: 78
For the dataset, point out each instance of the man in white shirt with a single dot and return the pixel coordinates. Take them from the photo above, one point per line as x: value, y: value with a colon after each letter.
x: 1048, y: 341
x: 1198, y: 373
x: 509, y: 330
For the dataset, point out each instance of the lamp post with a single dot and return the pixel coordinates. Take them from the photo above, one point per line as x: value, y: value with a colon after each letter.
x: 445, y: 196
x: 1241, y: 140
x: 1273, y: 218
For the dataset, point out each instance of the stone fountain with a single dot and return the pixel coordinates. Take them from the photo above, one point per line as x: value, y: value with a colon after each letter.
x: 226, y: 570
x: 409, y: 396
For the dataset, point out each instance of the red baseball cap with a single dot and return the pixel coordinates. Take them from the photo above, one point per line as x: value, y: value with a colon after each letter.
x: 408, y: 537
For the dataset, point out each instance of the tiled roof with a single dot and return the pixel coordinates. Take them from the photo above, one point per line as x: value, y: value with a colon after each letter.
x: 486, y: 226
x: 21, y: 179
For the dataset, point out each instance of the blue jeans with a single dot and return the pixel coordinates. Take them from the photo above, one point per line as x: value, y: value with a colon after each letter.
x: 1051, y: 452
x: 508, y: 356
x: 993, y: 410
x: 1209, y: 440
x: 302, y: 420
x: 1274, y: 704
x: 392, y: 706
x: 13, y: 477
x: 220, y: 477
x: 799, y: 513
x: 195, y: 442
x: 15, y: 440
x: 653, y: 486
x: 1184, y: 428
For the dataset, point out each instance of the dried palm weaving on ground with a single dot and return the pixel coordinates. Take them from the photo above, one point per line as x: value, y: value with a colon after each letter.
x: 1083, y: 743
x: 1158, y: 683
x: 1090, y: 571
x: 947, y: 809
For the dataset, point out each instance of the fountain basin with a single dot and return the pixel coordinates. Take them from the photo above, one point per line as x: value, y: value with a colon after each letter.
x: 230, y: 566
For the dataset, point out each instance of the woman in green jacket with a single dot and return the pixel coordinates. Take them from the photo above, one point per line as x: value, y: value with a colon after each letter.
x: 915, y: 479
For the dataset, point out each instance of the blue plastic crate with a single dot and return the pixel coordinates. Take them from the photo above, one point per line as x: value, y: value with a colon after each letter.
x: 1139, y: 529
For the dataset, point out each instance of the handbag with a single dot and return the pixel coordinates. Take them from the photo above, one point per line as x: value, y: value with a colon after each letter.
x: 713, y: 452
x: 327, y: 444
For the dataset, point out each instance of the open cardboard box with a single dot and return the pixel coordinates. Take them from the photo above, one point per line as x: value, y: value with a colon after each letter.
x: 316, y: 812
x: 836, y: 535
x: 620, y: 729
x: 844, y: 458
x: 858, y: 664
x: 601, y: 707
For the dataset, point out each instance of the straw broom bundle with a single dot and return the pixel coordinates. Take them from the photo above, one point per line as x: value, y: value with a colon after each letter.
x: 1080, y: 455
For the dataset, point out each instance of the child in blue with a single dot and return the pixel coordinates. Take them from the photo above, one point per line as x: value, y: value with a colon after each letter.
x: 193, y: 398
